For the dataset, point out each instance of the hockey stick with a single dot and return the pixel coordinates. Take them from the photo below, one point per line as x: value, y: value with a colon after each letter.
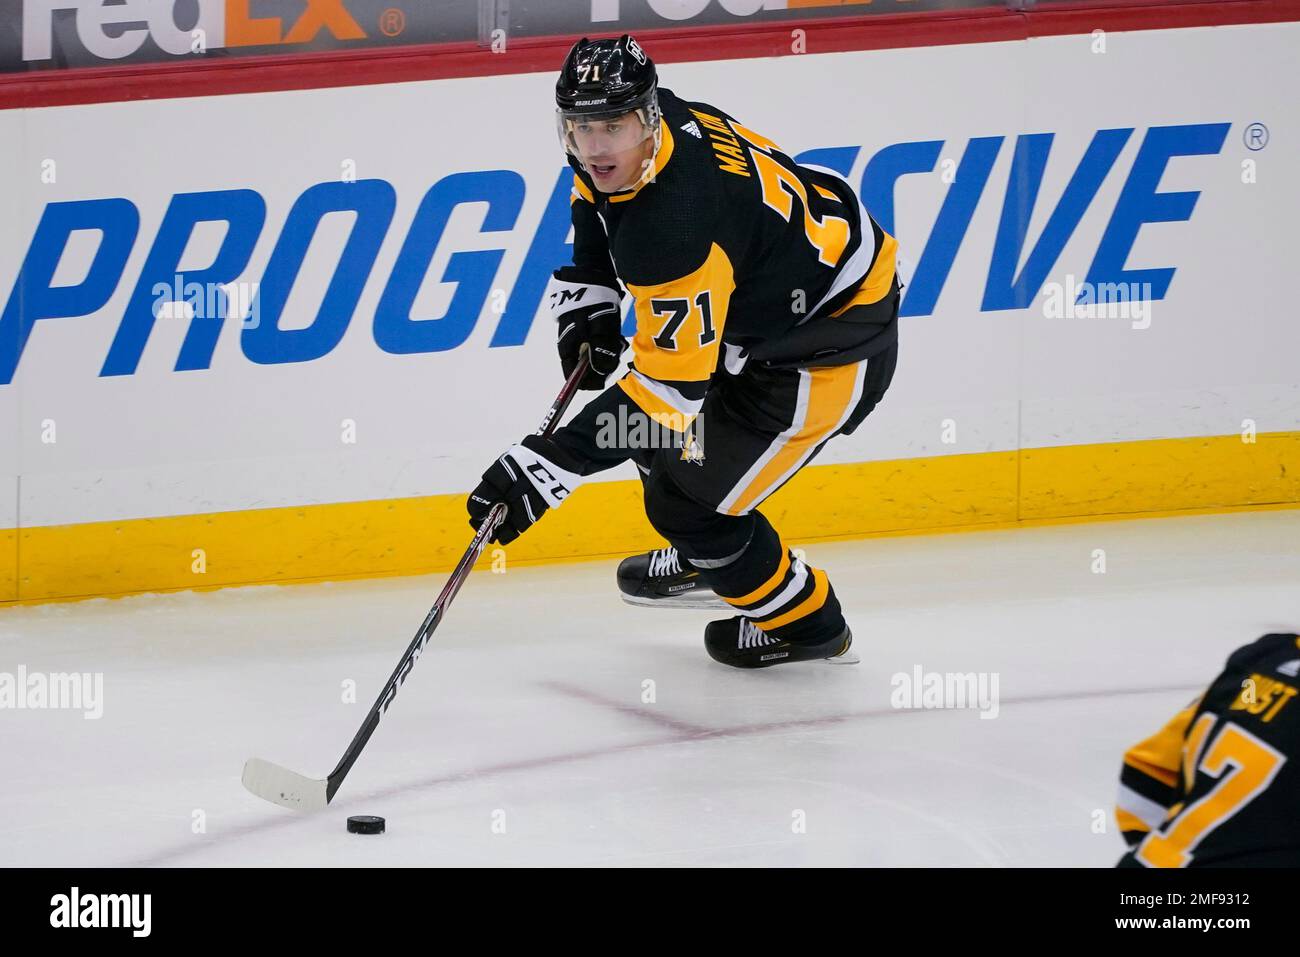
x: 279, y: 785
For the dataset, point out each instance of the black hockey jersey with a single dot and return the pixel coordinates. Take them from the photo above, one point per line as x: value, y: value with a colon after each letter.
x: 1219, y: 785
x: 729, y: 247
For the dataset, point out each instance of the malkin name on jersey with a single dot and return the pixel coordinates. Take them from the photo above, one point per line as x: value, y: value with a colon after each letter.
x: 726, y: 147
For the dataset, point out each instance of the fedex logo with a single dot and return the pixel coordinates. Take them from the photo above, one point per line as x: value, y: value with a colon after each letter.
x: 113, y: 32
x: 1018, y: 266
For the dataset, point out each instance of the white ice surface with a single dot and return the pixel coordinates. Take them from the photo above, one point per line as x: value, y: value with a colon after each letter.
x: 521, y: 738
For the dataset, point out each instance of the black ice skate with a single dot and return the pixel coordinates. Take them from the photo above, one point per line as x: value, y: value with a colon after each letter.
x: 658, y: 578
x: 740, y: 643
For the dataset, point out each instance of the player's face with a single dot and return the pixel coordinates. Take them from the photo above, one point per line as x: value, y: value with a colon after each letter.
x: 614, y: 150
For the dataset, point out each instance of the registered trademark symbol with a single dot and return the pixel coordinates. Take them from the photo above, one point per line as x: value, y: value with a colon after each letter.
x: 1255, y: 136
x: 392, y: 22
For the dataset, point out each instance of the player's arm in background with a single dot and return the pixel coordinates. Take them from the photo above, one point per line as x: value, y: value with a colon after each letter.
x: 1151, y: 781
x: 682, y: 293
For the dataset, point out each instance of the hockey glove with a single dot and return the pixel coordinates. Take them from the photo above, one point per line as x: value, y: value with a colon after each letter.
x: 585, y: 306
x: 530, y: 477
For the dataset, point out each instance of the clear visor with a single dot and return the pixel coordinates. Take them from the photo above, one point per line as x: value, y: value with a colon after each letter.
x: 595, y: 139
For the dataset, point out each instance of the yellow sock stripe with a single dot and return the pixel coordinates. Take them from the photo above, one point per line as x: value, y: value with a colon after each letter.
x: 769, y: 586
x: 821, y: 589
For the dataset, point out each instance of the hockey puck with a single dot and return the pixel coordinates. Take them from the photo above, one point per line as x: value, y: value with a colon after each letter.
x: 365, y: 824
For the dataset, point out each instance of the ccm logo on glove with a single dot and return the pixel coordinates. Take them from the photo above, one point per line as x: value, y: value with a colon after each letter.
x: 530, y: 477
x: 585, y: 306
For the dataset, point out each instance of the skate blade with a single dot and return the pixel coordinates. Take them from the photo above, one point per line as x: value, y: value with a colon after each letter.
x: 713, y: 601
x: 848, y: 658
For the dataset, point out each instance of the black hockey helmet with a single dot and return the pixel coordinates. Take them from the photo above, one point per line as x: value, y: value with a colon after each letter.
x: 605, y: 78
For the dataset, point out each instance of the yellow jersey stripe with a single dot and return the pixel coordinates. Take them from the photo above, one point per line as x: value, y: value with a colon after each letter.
x: 654, y: 405
x: 1161, y: 756
x: 1128, y: 821
x: 879, y: 278
x: 1163, y: 775
x: 1192, y: 749
x: 829, y: 395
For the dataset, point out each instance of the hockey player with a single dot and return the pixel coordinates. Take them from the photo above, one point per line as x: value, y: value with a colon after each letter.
x: 1219, y: 785
x: 766, y: 311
